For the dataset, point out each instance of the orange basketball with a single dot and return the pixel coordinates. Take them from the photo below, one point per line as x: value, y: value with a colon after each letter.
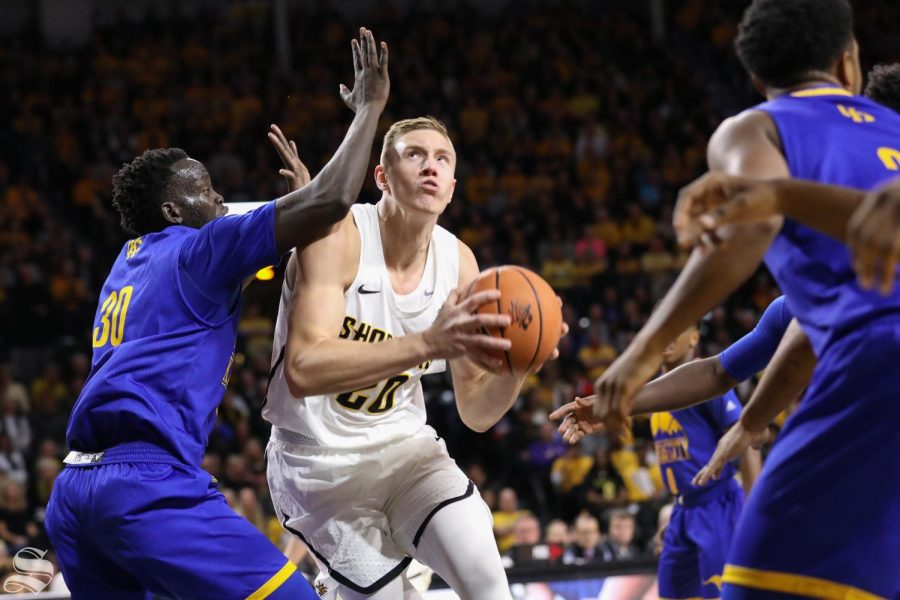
x: 535, y: 312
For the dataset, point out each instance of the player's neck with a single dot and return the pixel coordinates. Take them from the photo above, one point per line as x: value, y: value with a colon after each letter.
x: 405, y: 236
x: 814, y: 80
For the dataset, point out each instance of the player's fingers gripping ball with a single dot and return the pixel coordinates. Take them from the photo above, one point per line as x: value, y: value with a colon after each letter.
x: 534, y: 310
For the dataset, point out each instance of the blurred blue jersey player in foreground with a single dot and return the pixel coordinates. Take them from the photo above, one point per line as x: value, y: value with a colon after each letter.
x: 133, y: 514
x: 699, y: 534
x: 844, y: 437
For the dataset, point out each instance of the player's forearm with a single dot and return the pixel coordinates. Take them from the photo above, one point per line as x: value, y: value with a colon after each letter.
x: 483, y: 398
x: 689, y: 384
x: 305, y: 214
x: 707, y: 279
x: 751, y: 466
x: 331, y: 366
x: 784, y: 380
x: 823, y: 207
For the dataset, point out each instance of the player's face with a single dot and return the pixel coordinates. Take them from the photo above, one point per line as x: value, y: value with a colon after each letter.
x: 419, y: 174
x: 193, y: 200
x: 679, y: 350
x: 622, y: 530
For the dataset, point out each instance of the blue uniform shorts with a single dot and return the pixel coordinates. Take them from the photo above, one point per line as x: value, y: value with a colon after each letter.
x: 131, y: 529
x: 824, y: 518
x: 696, y: 543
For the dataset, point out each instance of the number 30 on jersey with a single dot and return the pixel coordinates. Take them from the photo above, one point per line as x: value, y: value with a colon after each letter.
x: 112, y: 317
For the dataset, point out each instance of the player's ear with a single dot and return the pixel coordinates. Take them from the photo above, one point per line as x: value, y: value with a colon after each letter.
x: 849, y: 72
x: 381, y: 179
x: 171, y: 212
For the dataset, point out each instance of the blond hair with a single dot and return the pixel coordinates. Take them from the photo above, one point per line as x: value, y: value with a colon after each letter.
x: 403, y: 127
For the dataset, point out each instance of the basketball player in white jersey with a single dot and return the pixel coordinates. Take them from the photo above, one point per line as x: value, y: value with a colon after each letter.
x: 354, y: 471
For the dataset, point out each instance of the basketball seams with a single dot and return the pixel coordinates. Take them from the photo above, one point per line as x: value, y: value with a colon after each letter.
x: 500, y: 312
x: 537, y: 301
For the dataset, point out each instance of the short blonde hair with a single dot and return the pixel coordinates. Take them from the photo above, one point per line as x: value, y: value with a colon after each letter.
x: 403, y: 127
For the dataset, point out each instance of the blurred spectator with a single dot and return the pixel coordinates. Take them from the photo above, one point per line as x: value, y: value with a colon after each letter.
x: 12, y: 461
x: 14, y: 424
x: 568, y: 474
x: 17, y: 528
x: 557, y: 538
x: 527, y: 547
x: 10, y: 389
x: 249, y: 508
x: 620, y: 541
x: 505, y: 519
x: 41, y: 484
x: 603, y: 486
x: 587, y: 546
x: 596, y: 355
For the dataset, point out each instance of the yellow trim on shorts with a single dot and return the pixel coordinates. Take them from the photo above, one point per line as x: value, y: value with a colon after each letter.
x: 788, y: 583
x: 274, y: 582
x: 827, y: 91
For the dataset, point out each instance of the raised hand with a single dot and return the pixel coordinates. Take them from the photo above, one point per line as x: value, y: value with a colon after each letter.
x: 735, y: 441
x: 371, y: 84
x: 716, y: 200
x: 578, y: 420
x: 873, y: 235
x: 295, y: 172
x: 455, y: 332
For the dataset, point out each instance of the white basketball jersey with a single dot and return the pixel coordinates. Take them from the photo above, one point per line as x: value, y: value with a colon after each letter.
x: 391, y: 409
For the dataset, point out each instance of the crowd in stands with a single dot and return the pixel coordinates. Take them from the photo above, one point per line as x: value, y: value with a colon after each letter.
x: 574, y: 130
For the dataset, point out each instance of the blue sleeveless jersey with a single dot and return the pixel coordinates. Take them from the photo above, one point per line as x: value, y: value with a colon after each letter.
x: 686, y: 439
x: 164, y: 335
x: 832, y: 137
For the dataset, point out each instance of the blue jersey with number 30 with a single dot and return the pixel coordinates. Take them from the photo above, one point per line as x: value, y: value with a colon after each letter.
x: 832, y: 137
x: 164, y: 335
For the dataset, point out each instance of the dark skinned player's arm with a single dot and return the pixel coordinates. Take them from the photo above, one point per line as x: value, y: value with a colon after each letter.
x: 746, y: 145
x: 690, y: 384
x: 307, y: 214
x: 827, y: 208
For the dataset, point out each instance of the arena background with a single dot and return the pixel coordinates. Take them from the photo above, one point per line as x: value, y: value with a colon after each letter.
x: 575, y: 124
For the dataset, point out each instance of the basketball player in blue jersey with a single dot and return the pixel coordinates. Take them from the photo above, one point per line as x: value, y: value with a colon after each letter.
x: 803, y: 57
x: 133, y: 514
x: 703, y: 521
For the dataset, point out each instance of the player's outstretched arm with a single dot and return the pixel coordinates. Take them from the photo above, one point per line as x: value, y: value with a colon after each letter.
x: 784, y: 380
x: 306, y: 214
x: 717, y: 200
x: 745, y: 145
x: 319, y: 361
x: 689, y: 384
x: 484, y: 392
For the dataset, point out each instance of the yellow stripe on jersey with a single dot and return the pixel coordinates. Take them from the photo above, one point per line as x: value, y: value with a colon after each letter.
x: 274, y: 582
x: 826, y: 91
x: 788, y: 583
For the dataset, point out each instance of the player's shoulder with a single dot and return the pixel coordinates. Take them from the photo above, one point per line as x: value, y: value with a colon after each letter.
x: 753, y: 122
